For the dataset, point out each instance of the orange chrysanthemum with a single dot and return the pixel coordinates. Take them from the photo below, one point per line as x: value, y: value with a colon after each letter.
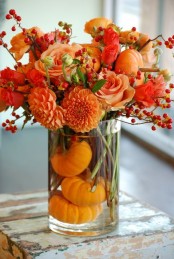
x: 42, y: 102
x: 82, y: 110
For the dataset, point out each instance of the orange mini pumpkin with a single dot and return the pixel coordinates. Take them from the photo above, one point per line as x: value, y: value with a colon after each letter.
x: 73, y: 161
x: 129, y: 61
x: 78, y: 191
x: 65, y: 211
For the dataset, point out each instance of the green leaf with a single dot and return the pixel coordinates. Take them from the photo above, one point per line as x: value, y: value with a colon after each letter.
x: 76, y: 61
x: 98, y: 85
x: 82, y: 76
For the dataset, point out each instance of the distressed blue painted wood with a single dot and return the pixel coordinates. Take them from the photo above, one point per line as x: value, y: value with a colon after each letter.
x: 142, y: 232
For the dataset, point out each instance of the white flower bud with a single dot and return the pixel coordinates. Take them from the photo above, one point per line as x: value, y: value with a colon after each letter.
x: 67, y: 60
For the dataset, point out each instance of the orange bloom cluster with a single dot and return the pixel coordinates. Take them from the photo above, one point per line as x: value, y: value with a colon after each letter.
x: 78, y: 85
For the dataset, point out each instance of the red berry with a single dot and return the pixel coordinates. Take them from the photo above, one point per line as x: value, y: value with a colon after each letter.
x: 168, y: 100
x: 167, y: 91
x: 165, y: 115
x: 12, y: 12
x: 18, y: 18
x: 133, y: 28
x: 3, y: 33
x: 8, y: 17
x: 169, y: 126
x: 13, y: 28
x: 26, y: 40
x: 153, y: 128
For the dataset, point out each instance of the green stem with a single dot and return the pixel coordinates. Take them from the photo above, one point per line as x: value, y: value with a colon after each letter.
x: 47, y: 75
x: 107, y: 148
x: 99, y: 162
x: 64, y: 73
x: 115, y: 175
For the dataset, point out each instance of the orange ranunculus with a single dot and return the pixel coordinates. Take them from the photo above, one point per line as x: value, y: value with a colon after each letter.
x: 95, y: 23
x: 82, y: 109
x: 42, y: 103
x: 144, y: 94
x: 95, y: 53
x: 116, y: 92
x: 19, y: 47
x: 148, y: 92
x: 56, y: 52
x: 109, y: 54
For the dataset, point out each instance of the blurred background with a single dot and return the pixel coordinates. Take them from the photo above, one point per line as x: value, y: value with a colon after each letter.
x: 146, y: 157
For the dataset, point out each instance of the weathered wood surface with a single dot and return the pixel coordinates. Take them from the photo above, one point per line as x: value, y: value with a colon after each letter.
x: 142, y: 232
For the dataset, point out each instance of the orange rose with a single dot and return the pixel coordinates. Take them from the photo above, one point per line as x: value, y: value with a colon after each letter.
x: 110, y: 53
x: 19, y: 47
x: 56, y: 52
x: 95, y: 23
x: 110, y: 37
x: 116, y: 92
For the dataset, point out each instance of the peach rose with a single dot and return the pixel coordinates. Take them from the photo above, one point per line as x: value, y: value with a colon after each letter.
x: 56, y: 52
x: 116, y: 92
x: 147, y: 51
x: 19, y: 47
x: 159, y: 86
x: 95, y: 23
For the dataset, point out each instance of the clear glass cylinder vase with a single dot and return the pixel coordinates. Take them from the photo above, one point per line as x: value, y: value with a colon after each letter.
x: 84, y: 180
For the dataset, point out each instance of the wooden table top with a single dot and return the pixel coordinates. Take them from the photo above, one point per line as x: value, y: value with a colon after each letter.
x: 142, y: 232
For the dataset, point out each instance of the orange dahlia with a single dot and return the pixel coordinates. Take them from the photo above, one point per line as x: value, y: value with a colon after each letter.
x: 82, y: 109
x: 42, y: 102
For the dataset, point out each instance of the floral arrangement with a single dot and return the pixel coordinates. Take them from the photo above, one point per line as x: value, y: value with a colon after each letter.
x: 78, y: 85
